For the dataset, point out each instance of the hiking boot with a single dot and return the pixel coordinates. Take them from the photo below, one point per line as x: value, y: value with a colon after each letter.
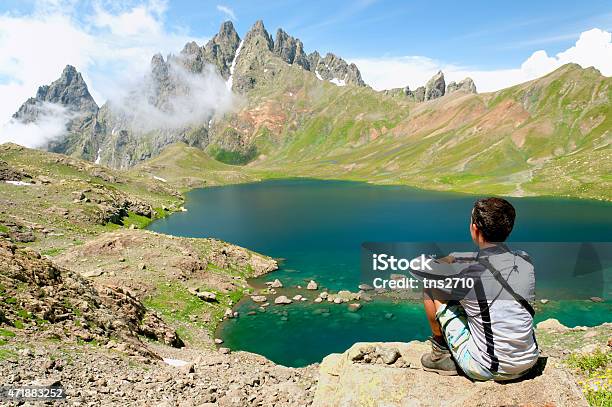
x: 439, y: 360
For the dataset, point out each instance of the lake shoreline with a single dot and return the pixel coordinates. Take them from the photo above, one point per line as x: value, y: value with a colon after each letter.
x: 317, y: 227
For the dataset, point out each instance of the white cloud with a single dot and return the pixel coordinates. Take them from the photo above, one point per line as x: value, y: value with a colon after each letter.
x: 139, y: 21
x: 227, y: 11
x: 197, y: 98
x: 50, y: 124
x: 110, y: 48
x: 593, y: 48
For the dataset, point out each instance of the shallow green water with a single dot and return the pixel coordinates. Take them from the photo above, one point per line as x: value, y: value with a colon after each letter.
x: 317, y: 227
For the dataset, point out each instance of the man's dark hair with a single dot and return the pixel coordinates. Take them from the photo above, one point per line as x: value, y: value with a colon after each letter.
x: 494, y: 217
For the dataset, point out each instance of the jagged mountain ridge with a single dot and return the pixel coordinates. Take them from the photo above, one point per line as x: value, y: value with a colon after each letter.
x: 434, y: 88
x: 105, y: 134
x: 223, y: 48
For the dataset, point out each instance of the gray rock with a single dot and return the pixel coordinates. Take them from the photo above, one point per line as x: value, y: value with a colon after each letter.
x: 93, y: 273
x: 276, y: 284
x: 418, y: 94
x: 207, y: 296
x: 354, y: 307
x: 341, y: 374
x: 467, y: 86
x: 333, y: 67
x: 282, y: 300
x: 435, y: 87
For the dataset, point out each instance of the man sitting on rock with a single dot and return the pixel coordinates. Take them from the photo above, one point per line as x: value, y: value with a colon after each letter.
x: 484, y: 325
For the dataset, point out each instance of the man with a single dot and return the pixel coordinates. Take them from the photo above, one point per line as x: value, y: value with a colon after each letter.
x: 485, y: 325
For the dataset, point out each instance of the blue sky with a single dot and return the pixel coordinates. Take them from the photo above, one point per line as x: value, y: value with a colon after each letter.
x: 479, y: 34
x: 483, y: 34
x: 394, y: 43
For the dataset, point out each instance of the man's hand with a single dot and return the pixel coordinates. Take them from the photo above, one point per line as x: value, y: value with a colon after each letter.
x: 448, y: 259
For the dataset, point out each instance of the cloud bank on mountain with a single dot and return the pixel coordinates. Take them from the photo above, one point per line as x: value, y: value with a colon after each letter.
x: 181, y: 99
x: 50, y: 125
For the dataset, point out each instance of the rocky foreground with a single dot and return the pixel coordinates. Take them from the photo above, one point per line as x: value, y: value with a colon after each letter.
x: 105, y: 348
x: 346, y: 380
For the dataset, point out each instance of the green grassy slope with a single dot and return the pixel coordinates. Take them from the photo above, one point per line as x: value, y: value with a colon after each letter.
x: 185, y: 167
x: 547, y: 136
x: 68, y: 198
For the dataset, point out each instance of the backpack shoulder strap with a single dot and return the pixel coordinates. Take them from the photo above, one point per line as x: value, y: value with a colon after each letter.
x: 519, y: 298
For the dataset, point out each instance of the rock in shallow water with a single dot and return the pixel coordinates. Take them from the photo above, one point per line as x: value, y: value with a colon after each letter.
x: 312, y: 285
x: 282, y: 300
x: 276, y: 284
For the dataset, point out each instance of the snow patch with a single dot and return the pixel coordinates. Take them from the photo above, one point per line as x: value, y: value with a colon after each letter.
x: 319, y: 77
x: 98, y: 157
x: 160, y: 179
x: 230, y: 80
x: 19, y: 183
x: 338, y: 82
x: 176, y: 362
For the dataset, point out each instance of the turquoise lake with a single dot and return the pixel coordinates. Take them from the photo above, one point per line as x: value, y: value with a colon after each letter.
x: 317, y: 227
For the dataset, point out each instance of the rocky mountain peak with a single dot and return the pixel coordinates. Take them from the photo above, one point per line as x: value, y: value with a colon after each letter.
x: 190, y: 48
x: 435, y: 87
x: 466, y: 85
x: 158, y: 63
x: 69, y: 91
x: 227, y: 30
x: 159, y: 68
x: 220, y: 50
x: 335, y: 69
x: 290, y: 49
x: 258, y: 32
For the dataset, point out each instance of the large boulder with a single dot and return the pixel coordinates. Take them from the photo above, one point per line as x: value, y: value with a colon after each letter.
x: 390, y: 374
x: 282, y: 300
